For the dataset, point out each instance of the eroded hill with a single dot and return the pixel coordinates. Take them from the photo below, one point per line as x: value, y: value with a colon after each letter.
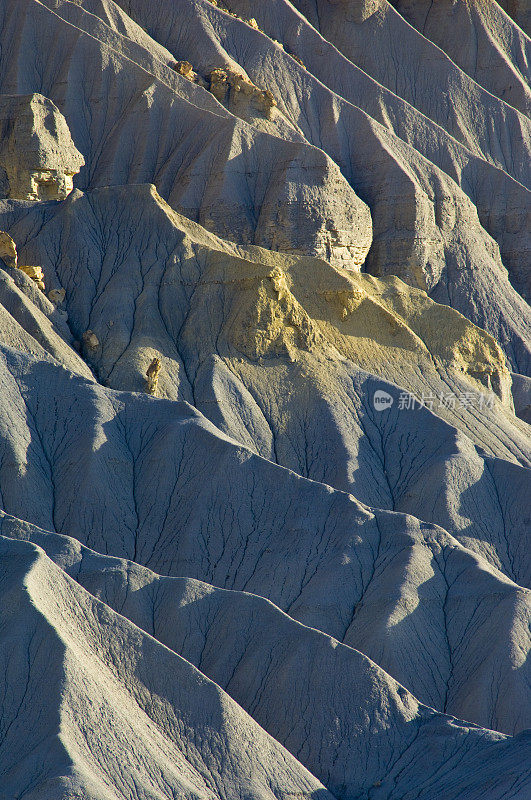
x: 264, y: 382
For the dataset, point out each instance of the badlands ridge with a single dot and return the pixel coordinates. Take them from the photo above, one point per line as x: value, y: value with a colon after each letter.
x: 265, y: 399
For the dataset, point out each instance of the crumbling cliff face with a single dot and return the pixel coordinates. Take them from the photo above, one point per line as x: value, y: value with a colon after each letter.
x: 38, y: 159
x: 230, y: 88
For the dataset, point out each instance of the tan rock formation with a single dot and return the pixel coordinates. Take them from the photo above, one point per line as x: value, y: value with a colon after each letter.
x: 38, y: 158
x: 227, y: 85
x: 8, y: 250
x: 248, y: 20
x: 8, y: 254
x: 186, y: 69
x: 297, y: 59
x: 36, y: 274
x: 152, y: 375
x: 90, y: 341
x: 57, y: 296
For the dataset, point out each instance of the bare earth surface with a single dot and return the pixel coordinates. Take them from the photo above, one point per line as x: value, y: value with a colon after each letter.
x: 265, y: 397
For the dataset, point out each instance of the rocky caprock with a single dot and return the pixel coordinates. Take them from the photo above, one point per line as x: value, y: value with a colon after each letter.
x: 264, y: 400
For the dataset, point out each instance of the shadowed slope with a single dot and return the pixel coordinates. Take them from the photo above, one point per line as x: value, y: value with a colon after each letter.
x: 436, y: 639
x: 481, y: 40
x: 101, y: 710
x: 321, y: 466
x: 282, y: 194
x: 411, y: 66
x: 277, y: 368
x: 133, y: 127
x: 383, y: 145
x: 153, y: 481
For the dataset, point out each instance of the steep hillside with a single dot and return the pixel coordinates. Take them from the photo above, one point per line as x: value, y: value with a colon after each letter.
x: 265, y: 462
x: 480, y: 39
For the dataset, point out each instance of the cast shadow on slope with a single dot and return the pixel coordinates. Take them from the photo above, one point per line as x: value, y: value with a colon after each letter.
x: 110, y: 724
x: 277, y: 368
x: 328, y: 704
x: 155, y: 482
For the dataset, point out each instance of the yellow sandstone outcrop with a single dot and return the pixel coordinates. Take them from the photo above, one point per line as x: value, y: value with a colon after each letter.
x: 186, y: 69
x: 248, y: 21
x: 36, y: 274
x: 8, y: 250
x: 226, y: 84
x: 152, y: 375
x: 8, y: 254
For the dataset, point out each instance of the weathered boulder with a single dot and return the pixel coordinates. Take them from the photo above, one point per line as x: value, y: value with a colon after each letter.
x: 152, y: 376
x: 57, y: 296
x: 90, y: 341
x: 36, y: 274
x: 9, y: 255
x: 8, y: 250
x: 228, y: 85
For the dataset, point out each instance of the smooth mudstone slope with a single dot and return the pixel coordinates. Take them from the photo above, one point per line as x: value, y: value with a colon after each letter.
x: 94, y: 709
x: 278, y: 367
x: 481, y: 40
x: 264, y: 383
x: 231, y: 635
x: 153, y: 481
